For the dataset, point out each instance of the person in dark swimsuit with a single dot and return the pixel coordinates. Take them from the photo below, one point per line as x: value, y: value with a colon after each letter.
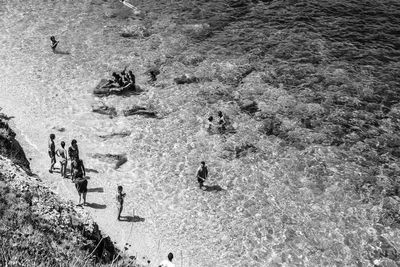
x: 116, y: 80
x: 52, y: 152
x: 79, y: 179
x: 202, y: 174
x: 54, y: 42
x: 131, y: 77
x: 73, y: 153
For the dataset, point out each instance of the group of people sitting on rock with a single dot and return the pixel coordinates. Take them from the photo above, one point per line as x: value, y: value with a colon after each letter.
x: 77, y: 171
x: 220, y: 123
x: 124, y: 79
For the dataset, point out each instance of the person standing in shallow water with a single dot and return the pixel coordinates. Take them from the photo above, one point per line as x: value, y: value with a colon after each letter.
x: 73, y: 152
x: 52, y: 152
x: 167, y: 263
x: 202, y: 174
x: 62, y: 153
x: 54, y: 43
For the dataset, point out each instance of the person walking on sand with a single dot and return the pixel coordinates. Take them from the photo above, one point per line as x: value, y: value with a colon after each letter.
x: 52, y: 152
x: 168, y: 263
x: 202, y: 174
x: 62, y: 153
x: 73, y: 152
x: 54, y: 43
x: 79, y: 178
x: 120, y: 201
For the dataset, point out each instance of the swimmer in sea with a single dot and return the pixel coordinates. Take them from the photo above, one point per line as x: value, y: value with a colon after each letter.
x: 54, y: 42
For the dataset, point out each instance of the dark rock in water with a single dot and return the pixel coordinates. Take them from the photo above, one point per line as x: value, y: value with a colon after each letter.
x: 121, y: 134
x: 271, y: 126
x: 153, y: 72
x: 58, y: 128
x: 5, y: 117
x: 104, y: 89
x: 249, y: 106
x: 9, y: 146
x: 117, y: 159
x: 242, y: 150
x: 137, y: 110
x: 135, y: 31
x: 186, y: 79
x: 104, y: 109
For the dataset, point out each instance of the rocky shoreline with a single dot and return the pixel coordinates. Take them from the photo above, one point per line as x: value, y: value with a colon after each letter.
x: 36, y: 226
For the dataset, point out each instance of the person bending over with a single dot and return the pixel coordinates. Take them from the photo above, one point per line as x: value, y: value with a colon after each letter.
x: 54, y: 43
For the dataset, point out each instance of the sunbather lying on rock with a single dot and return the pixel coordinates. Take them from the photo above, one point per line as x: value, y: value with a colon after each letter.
x: 116, y: 80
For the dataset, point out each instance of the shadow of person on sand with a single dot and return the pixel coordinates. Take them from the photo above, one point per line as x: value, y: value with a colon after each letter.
x: 61, y: 52
x: 97, y: 190
x: 213, y: 188
x: 132, y: 219
x: 96, y: 206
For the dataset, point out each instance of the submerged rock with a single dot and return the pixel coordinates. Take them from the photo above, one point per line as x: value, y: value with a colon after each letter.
x: 138, y: 110
x: 117, y: 159
x: 121, y: 134
x: 249, y: 106
x: 134, y: 31
x: 186, y: 79
x: 102, y: 108
x: 104, y: 89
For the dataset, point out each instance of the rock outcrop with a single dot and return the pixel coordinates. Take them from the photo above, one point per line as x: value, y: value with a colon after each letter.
x: 9, y: 146
x: 103, y: 88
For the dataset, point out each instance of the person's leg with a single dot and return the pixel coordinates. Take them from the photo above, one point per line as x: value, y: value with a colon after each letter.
x: 119, y: 212
x: 79, y: 198
x: 64, y: 171
x: 61, y: 169
x: 84, y: 198
x: 53, y: 161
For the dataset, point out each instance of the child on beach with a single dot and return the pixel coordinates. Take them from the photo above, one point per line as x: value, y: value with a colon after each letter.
x: 120, y: 201
x: 62, y: 153
x: 52, y: 152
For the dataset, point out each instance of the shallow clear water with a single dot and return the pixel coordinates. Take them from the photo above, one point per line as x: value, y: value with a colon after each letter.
x: 45, y: 91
